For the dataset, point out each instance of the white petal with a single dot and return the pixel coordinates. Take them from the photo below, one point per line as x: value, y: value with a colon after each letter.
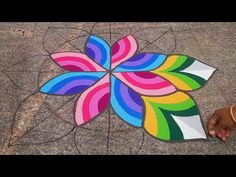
x: 200, y: 69
x: 190, y: 126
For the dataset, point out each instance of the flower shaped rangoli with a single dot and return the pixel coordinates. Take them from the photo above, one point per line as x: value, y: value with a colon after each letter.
x: 145, y: 90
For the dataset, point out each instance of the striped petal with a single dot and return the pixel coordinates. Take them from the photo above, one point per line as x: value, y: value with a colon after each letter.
x: 141, y: 62
x: 184, y: 72
x: 71, y: 83
x: 173, y: 117
x: 75, y: 62
x: 122, y: 50
x: 127, y: 104
x: 146, y: 83
x: 98, y: 50
x: 93, y: 101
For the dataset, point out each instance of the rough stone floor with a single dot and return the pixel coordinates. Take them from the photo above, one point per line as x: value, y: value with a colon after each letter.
x: 33, y: 123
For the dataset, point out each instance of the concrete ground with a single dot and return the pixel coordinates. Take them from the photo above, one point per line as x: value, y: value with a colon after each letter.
x: 33, y: 123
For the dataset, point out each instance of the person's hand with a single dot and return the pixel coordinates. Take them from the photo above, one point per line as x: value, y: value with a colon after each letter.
x: 221, y: 124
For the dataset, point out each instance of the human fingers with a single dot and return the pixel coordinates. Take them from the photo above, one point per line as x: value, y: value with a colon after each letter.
x: 211, y: 125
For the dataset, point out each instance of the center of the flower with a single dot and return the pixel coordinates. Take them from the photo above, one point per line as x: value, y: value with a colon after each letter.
x: 110, y: 70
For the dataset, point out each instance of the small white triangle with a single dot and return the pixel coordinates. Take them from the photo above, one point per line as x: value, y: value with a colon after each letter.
x: 190, y: 126
x: 200, y: 69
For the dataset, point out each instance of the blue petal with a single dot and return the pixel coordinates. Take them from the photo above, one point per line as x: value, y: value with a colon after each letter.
x: 98, y: 50
x: 127, y: 104
x: 142, y: 62
x: 71, y: 83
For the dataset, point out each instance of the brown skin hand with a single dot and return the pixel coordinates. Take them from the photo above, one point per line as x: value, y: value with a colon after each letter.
x: 221, y: 124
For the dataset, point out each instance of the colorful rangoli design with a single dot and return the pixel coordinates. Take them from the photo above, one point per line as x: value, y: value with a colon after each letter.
x: 145, y: 90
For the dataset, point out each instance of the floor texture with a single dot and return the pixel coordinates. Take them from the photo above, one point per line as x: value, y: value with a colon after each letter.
x: 33, y: 123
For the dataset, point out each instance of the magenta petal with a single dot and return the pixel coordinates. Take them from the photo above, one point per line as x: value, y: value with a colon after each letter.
x: 75, y: 62
x: 146, y: 83
x: 122, y: 50
x: 93, y: 101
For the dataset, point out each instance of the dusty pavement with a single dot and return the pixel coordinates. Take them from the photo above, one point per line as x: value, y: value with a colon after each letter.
x: 32, y: 123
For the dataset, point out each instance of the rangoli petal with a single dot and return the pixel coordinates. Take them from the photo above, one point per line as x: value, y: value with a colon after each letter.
x: 98, y: 50
x: 141, y: 62
x: 186, y: 73
x: 146, y: 83
x: 122, y: 50
x: 127, y: 104
x: 93, y: 101
x: 173, y: 117
x: 71, y: 83
x: 75, y: 62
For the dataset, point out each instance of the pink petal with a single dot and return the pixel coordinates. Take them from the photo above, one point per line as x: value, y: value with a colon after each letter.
x: 146, y: 83
x: 93, y: 101
x: 122, y: 50
x: 75, y: 62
